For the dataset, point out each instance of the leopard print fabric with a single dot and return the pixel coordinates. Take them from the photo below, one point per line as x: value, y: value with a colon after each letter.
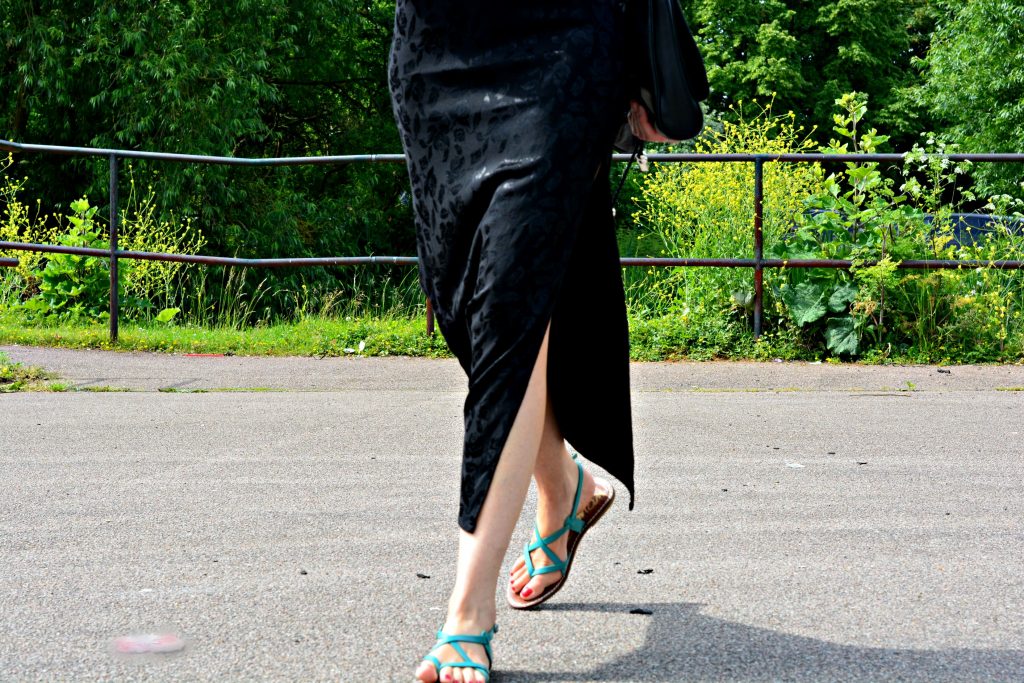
x: 507, y: 111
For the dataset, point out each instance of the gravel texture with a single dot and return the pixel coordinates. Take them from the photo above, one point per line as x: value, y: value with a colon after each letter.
x: 281, y: 533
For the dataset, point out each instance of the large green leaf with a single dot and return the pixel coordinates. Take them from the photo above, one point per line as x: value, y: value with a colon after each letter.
x: 167, y: 315
x: 806, y: 302
x: 844, y: 294
x: 842, y: 336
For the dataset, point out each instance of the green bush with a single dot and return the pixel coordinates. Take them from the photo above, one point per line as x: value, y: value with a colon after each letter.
x: 706, y: 210
x: 872, y: 215
x: 51, y: 287
x: 71, y: 286
x: 866, y: 215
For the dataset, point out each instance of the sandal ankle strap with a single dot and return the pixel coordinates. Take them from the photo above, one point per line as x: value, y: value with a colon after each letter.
x: 572, y: 523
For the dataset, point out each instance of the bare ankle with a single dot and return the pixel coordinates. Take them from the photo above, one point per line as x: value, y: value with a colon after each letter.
x: 556, y: 484
x: 466, y: 614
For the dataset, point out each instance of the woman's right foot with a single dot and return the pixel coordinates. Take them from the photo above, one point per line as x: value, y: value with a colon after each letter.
x: 428, y: 673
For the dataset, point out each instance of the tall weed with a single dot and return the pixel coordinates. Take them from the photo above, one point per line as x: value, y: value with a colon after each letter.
x: 21, y: 222
x: 706, y: 210
x: 65, y: 286
x: 153, y: 285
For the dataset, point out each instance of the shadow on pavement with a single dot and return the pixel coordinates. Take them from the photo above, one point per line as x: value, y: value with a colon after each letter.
x: 684, y: 645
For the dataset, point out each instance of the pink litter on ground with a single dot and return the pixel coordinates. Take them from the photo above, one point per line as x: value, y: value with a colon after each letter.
x: 204, y: 355
x: 148, y: 643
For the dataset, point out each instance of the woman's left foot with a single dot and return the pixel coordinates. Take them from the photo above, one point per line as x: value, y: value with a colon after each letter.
x: 551, y: 516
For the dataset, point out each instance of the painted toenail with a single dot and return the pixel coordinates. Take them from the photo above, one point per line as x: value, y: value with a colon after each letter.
x: 528, y: 592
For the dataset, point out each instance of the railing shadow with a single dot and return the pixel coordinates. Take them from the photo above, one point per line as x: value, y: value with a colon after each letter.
x: 682, y: 644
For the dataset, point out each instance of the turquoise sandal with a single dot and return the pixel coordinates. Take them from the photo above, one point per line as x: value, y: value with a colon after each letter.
x: 576, y: 524
x: 466, y: 663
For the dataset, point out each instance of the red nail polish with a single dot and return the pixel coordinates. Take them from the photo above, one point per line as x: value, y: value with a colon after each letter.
x: 527, y: 593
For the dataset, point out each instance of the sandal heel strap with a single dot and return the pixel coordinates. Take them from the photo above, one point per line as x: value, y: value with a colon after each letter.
x: 579, y: 493
x: 572, y: 523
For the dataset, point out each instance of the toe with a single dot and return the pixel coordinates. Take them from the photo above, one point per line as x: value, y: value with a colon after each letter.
x: 537, y: 585
x: 426, y: 673
x: 520, y: 581
x: 518, y: 565
x: 520, y: 578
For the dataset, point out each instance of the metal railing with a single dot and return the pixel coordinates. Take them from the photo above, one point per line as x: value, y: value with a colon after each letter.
x: 758, y: 263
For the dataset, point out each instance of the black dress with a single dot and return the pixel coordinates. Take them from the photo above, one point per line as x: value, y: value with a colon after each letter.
x: 507, y: 110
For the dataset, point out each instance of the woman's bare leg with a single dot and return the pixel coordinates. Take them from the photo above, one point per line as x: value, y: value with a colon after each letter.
x: 556, y: 475
x: 471, y: 608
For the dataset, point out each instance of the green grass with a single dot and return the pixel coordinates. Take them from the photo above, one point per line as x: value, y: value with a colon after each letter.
x: 310, y: 337
x: 18, y: 377
x: 652, y: 339
x: 667, y: 338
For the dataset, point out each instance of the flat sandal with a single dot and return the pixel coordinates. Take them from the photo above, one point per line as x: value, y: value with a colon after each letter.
x: 576, y: 525
x: 453, y: 640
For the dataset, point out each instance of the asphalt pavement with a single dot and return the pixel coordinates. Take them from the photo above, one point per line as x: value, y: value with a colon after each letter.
x: 293, y: 519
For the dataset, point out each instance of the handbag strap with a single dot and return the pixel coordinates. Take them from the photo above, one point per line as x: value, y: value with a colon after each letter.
x: 637, y: 151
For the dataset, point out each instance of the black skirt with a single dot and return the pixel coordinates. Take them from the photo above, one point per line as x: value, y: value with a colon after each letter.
x: 507, y: 111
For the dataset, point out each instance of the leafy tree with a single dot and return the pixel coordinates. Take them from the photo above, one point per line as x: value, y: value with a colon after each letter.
x: 807, y: 53
x: 248, y: 78
x: 975, y: 83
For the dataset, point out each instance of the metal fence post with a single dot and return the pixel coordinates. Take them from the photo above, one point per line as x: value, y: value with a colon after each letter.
x: 115, y: 303
x: 758, y: 244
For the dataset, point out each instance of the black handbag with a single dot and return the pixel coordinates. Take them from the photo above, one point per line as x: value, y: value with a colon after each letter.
x: 666, y: 74
x: 665, y: 68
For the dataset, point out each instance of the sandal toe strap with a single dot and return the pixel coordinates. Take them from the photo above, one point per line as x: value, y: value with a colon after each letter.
x: 453, y: 640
